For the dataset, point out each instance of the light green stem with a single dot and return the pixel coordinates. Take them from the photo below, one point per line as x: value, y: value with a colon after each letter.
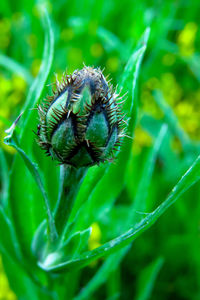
x: 71, y: 180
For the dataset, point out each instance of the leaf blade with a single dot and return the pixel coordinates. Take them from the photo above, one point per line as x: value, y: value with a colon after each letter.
x: 187, y: 180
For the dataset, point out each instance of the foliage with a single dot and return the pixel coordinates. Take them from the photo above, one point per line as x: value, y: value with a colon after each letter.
x: 151, y: 52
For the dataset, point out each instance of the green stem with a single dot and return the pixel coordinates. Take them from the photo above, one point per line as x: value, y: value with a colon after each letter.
x: 71, y: 180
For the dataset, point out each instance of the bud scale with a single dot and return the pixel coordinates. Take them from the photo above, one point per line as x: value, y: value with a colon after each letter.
x: 81, y: 124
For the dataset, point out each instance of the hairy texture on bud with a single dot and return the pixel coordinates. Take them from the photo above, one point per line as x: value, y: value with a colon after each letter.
x: 81, y: 124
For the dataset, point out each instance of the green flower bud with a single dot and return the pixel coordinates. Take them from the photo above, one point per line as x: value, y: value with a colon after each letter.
x: 81, y: 124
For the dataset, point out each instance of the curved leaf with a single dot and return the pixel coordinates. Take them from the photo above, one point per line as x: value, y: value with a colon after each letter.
x: 29, y: 212
x: 187, y: 180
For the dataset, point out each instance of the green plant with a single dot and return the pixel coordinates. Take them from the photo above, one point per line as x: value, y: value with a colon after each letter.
x: 48, y: 260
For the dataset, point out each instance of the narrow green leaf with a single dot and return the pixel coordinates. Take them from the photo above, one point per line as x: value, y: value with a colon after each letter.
x: 109, y: 40
x: 29, y: 212
x: 147, y: 279
x: 101, y: 276
x: 7, y: 238
x: 192, y: 63
x: 4, y: 179
x: 142, y: 191
x: 25, y: 285
x: 187, y: 180
x: 171, y: 119
x: 11, y: 140
x: 39, y: 82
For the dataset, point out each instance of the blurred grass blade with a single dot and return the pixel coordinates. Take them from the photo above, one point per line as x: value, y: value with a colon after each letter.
x: 171, y: 119
x: 109, y: 40
x: 102, y: 274
x: 15, y: 67
x: 132, y: 67
x: 147, y: 279
x: 131, y: 62
x: 20, y: 279
x: 39, y: 82
x: 187, y: 180
x: 7, y: 237
x: 142, y: 190
x: 193, y: 64
x: 4, y: 179
x: 11, y: 140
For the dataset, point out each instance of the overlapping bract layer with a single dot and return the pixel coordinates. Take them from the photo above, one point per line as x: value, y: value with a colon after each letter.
x: 81, y: 124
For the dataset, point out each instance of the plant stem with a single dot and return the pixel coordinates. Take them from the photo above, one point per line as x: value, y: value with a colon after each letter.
x: 71, y: 180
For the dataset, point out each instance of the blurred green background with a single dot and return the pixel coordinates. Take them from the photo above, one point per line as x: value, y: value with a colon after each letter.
x: 104, y: 33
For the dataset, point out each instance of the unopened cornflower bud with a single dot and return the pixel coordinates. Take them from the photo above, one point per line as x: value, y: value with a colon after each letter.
x: 81, y: 124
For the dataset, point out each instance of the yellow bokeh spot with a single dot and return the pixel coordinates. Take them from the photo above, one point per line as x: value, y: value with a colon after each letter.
x: 141, y: 139
x: 191, y: 125
x: 19, y: 84
x: 149, y: 105
x: 96, y: 50
x: 4, y: 112
x: 196, y: 96
x: 12, y: 92
x: 14, y: 98
x: 4, y: 33
x: 5, y: 291
x: 95, y: 237
x: 171, y: 89
x: 184, y: 109
x: 168, y: 59
x: 5, y: 85
x: 112, y: 64
x: 186, y: 39
x: 8, y: 149
x: 5, y: 25
x: 35, y: 67
x: 187, y: 35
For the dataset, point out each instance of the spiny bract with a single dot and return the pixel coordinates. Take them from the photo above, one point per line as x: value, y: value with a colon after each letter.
x: 81, y: 124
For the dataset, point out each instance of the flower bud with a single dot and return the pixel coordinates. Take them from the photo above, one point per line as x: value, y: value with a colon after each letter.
x: 81, y: 124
